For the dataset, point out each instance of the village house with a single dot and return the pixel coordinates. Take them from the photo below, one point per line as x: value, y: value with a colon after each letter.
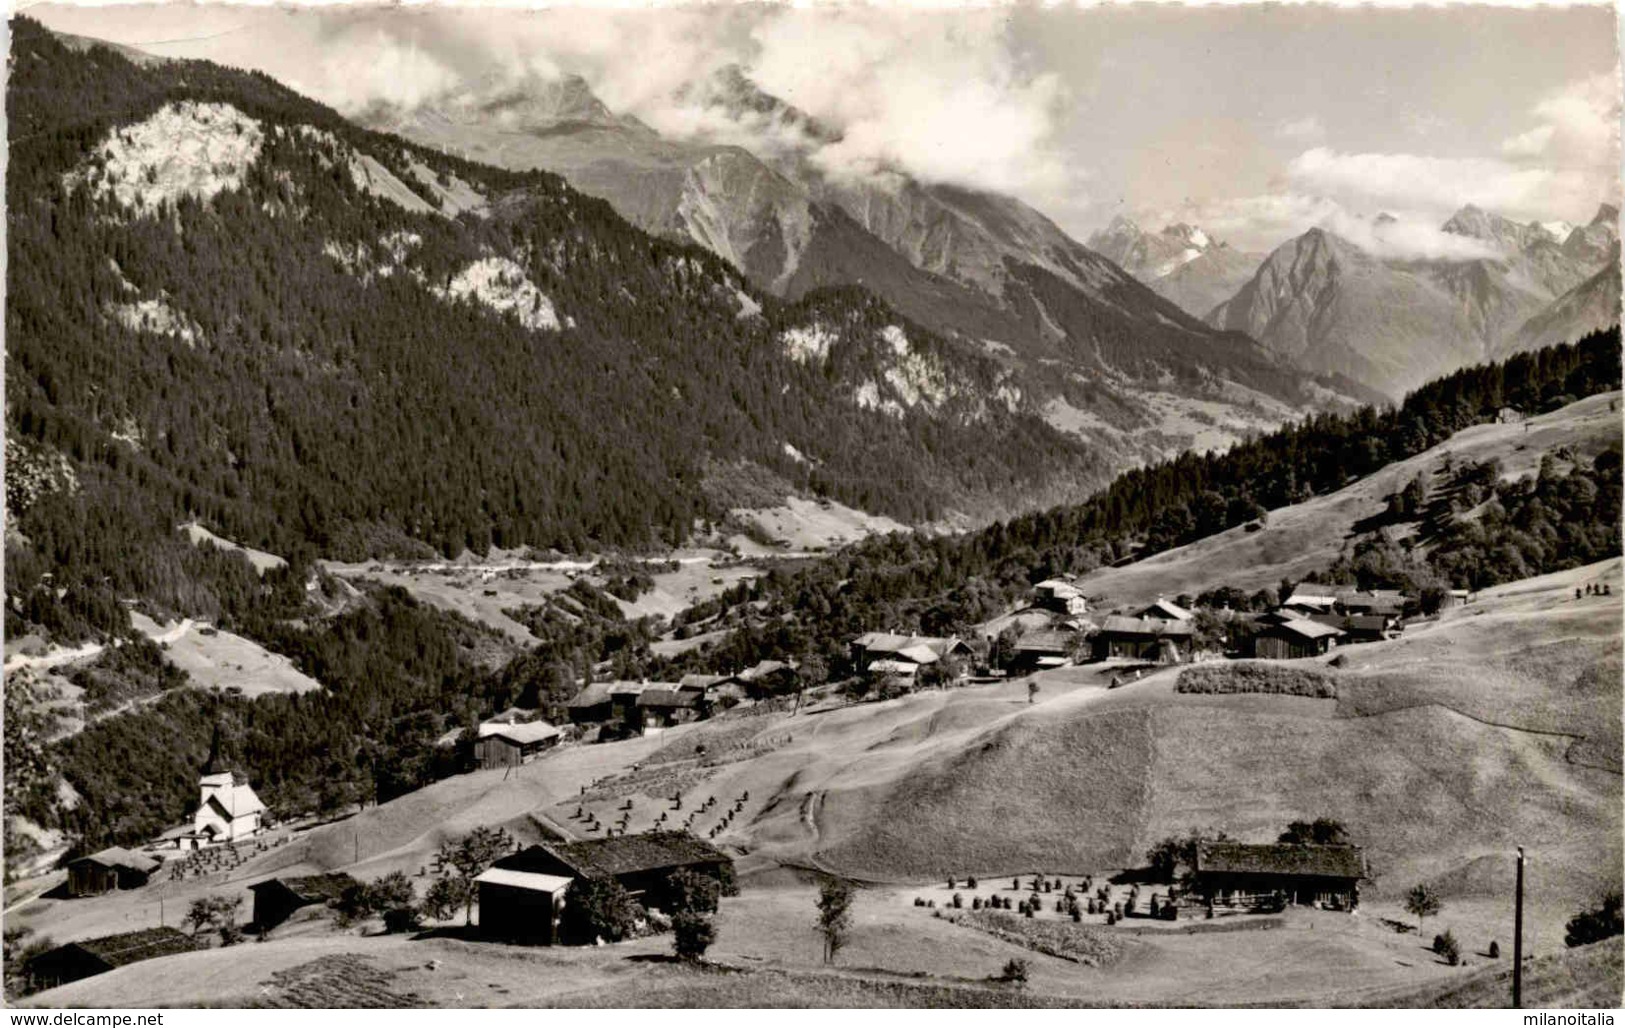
x: 663, y: 707
x: 1389, y: 603
x: 1045, y: 648
x: 1356, y: 628
x: 1293, y: 639
x: 228, y: 810
x: 1152, y: 639
x: 87, y: 957
x: 110, y: 869
x: 1245, y: 874
x: 510, y: 745
x: 522, y: 896
x: 592, y: 704
x: 1061, y: 596
x: 276, y: 899
x: 902, y: 650
x: 768, y: 678
x: 1166, y: 611
x: 714, y: 688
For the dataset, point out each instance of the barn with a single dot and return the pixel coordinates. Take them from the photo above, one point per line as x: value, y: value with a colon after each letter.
x: 275, y: 899
x: 502, y: 745
x: 1293, y: 639
x: 1246, y: 874
x: 521, y: 906
x: 1165, y: 641
x: 1356, y: 628
x: 591, y: 705
x: 109, y: 869
x: 1046, y: 648
x: 640, y: 863
x: 661, y: 708
x: 89, y: 957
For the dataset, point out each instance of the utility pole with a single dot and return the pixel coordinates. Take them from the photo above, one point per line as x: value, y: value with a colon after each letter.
x: 1517, y: 940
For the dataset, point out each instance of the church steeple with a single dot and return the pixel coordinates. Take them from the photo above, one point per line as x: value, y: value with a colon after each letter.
x: 217, y: 762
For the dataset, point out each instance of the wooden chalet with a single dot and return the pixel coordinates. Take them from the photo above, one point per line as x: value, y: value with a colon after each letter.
x: 1389, y: 603
x: 642, y: 864
x: 1247, y: 874
x: 88, y: 957
x: 917, y: 650
x: 1294, y: 639
x: 1161, y: 640
x: 1356, y: 628
x: 510, y: 745
x: 662, y: 707
x: 1165, y: 610
x: 110, y: 869
x: 1060, y: 596
x: 276, y: 899
x: 592, y: 704
x: 1045, y: 648
x: 768, y: 678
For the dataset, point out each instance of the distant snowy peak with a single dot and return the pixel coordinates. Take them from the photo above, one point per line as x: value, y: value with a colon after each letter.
x: 1151, y: 256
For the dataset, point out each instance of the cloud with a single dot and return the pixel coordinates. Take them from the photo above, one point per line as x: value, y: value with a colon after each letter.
x: 1302, y: 130
x: 1444, y: 184
x: 1578, y: 124
x: 1261, y: 223
x: 1402, y: 239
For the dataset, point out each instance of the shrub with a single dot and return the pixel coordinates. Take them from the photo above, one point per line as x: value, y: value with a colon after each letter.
x: 976, y: 903
x: 1447, y: 947
x: 401, y: 919
x: 690, y: 890
x: 959, y: 901
x: 1015, y: 971
x: 692, y: 934
x: 1595, y: 925
x: 1495, y: 950
x: 600, y: 909
x: 970, y: 883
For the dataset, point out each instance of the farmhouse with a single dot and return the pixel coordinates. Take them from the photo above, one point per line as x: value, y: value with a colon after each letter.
x: 228, y: 810
x: 1060, y: 596
x: 640, y: 863
x: 1047, y: 648
x: 275, y: 899
x: 661, y: 708
x: 89, y: 957
x: 1166, y: 611
x: 1357, y: 628
x: 1388, y: 603
x: 768, y: 677
x: 1235, y: 873
x: 509, y: 745
x: 1157, y: 639
x: 907, y: 649
x: 109, y: 869
x: 1290, y: 640
x: 1319, y: 602
x: 592, y: 704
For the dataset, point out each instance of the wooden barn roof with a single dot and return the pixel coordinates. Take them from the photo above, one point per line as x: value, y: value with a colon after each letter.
x: 1280, y: 859
x: 118, y: 856
x: 312, y: 888
x: 623, y: 854
x: 1117, y: 624
x: 130, y: 947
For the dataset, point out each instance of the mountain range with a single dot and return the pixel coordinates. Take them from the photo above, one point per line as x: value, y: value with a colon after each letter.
x: 1395, y: 320
x: 1181, y: 262
x: 1105, y: 357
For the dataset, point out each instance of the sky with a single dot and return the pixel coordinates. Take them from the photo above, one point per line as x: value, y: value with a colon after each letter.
x: 1255, y: 122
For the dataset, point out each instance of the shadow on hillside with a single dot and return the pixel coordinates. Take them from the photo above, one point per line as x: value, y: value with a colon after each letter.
x: 465, y: 932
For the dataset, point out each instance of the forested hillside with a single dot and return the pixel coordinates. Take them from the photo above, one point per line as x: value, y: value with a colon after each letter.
x: 273, y: 332
x: 938, y: 585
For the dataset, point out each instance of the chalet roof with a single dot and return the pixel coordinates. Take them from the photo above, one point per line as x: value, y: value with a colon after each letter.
x: 886, y: 642
x: 1304, y: 628
x: 1280, y: 859
x: 1375, y: 599
x: 701, y: 682
x: 668, y: 698
x: 1352, y: 622
x: 1167, y: 610
x: 521, y: 735
x: 129, y: 947
x: 593, y: 695
x: 1053, y: 640
x: 118, y: 856
x: 511, y: 716
x: 1150, y: 628
x: 312, y: 888
x: 1059, y: 587
x: 765, y: 668
x: 627, y: 688
x: 523, y: 879
x: 623, y: 854
x: 1311, y: 600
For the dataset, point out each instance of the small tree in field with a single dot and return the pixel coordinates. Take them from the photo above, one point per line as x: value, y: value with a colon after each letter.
x: 692, y: 934
x: 443, y: 899
x: 468, y: 857
x: 1423, y: 902
x: 600, y: 908
x: 834, y: 915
